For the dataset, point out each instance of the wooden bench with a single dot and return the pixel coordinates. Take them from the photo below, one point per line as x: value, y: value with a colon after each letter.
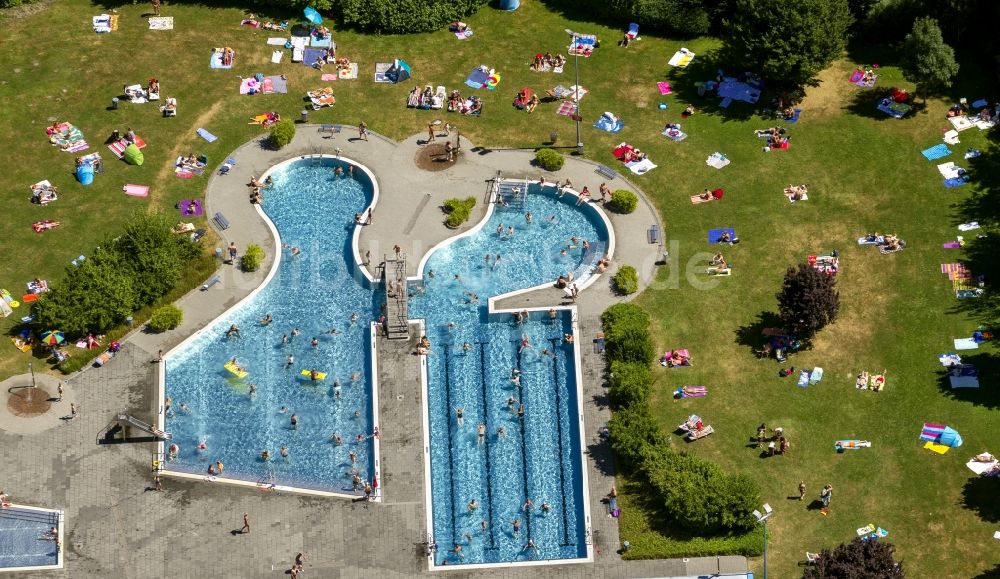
x: 653, y: 234
x: 606, y: 171
x: 220, y: 221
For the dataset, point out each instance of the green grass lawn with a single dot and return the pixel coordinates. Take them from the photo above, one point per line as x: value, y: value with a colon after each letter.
x: 864, y: 169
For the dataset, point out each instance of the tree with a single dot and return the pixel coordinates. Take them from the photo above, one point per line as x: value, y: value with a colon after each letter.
x: 156, y: 256
x: 871, y: 559
x: 808, y: 300
x: 788, y: 44
x: 927, y: 60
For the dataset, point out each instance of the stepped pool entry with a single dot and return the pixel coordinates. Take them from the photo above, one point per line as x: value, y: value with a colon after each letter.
x: 506, y: 474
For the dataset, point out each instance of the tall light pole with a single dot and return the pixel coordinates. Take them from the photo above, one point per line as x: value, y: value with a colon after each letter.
x: 576, y: 92
x: 762, y: 519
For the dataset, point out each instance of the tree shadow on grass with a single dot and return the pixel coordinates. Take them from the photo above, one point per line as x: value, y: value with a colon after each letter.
x: 684, y: 86
x: 752, y: 335
x: 993, y: 573
x: 864, y: 103
x: 980, y: 496
x: 987, y: 395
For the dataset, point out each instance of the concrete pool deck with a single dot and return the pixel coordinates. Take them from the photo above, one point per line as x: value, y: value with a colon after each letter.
x: 119, y: 526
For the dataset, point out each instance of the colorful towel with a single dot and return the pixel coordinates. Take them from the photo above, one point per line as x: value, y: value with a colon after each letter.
x: 215, y: 61
x: 161, y: 22
x: 190, y: 207
x: 803, y: 379
x: 717, y: 160
x: 795, y: 116
x: 674, y: 134
x: 119, y: 146
x: 206, y: 135
x: 715, y: 235
x: 893, y: 109
x: 328, y: 77
x: 938, y: 448
x: 68, y: 138
x: 857, y: 78
x: 583, y: 45
x: 136, y: 190
x: 681, y: 59
x: 936, y: 152
x: 605, y: 124
x: 350, y: 73
x: 664, y: 87
x: 275, y: 84
x: 316, y: 42
x: 567, y: 108
x: 477, y: 78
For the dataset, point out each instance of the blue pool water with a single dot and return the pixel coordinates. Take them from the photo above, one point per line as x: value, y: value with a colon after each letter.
x: 315, y: 291
x: 21, y: 538
x: 537, y: 457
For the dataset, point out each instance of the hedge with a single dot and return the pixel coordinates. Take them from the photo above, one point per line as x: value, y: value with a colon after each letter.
x: 630, y: 384
x: 634, y: 432
x: 458, y: 211
x: 252, y: 257
x: 406, y: 16
x: 624, y: 314
x: 549, y: 159
x: 627, y: 280
x: 166, y: 318
x: 623, y: 201
x: 282, y: 134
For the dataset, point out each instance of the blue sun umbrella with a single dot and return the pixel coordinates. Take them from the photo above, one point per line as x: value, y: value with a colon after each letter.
x: 313, y: 16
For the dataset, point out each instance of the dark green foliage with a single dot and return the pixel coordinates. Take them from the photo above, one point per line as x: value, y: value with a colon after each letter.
x: 458, y: 210
x: 630, y: 384
x: 125, y: 273
x: 156, y: 256
x: 698, y: 495
x: 549, y: 160
x: 623, y: 201
x: 282, y: 134
x: 404, y: 16
x: 684, y: 17
x: 868, y: 559
x: 166, y: 318
x: 629, y: 343
x: 620, y: 315
x: 927, y: 60
x: 95, y: 296
x: 252, y: 257
x: 634, y: 432
x: 627, y: 280
x: 12, y: 3
x: 788, y: 44
x: 808, y: 300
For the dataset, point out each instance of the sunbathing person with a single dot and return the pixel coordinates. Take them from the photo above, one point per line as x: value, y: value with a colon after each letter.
x: 476, y: 107
x: 688, y: 111
x: 538, y: 63
x: 458, y: 27
x: 532, y: 103
x: 454, y: 101
x: 227, y: 56
x: 319, y: 63
x: 559, y: 61
x: 153, y: 87
x: 343, y: 63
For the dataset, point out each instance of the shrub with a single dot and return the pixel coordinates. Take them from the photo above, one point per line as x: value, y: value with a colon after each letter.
x: 624, y: 314
x: 458, y: 211
x: 627, y: 280
x: 634, y: 432
x: 631, y: 384
x: 629, y: 344
x: 549, y: 159
x: 166, y: 318
x: 282, y: 134
x: 400, y: 17
x: 698, y: 495
x: 623, y: 201
x: 808, y: 300
x: 252, y: 257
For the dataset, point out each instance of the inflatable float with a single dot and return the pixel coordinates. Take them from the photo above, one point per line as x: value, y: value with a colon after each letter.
x: 236, y: 370
x: 308, y: 374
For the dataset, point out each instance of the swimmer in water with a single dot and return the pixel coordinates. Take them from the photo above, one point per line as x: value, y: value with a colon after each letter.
x: 332, y: 331
x: 528, y: 217
x: 266, y: 320
x: 203, y: 445
x: 315, y: 342
x: 284, y: 451
x: 465, y: 347
x: 501, y: 432
x: 294, y: 421
x: 284, y: 339
x: 173, y: 451
x: 460, y: 415
x: 500, y: 229
x: 354, y: 317
x: 481, y: 432
x: 185, y: 407
x: 510, y: 231
x: 265, y: 454
x: 296, y: 332
x: 336, y: 439
x: 355, y: 376
x: 253, y: 389
x: 233, y: 330
x: 290, y: 360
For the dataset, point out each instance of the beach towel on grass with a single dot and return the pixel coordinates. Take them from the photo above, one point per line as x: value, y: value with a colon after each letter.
x: 956, y: 181
x: 582, y: 44
x: 274, y: 41
x: 277, y: 55
x: 477, y: 78
x: 380, y: 69
x: 717, y: 160
x: 674, y: 134
x: 893, y: 109
x: 715, y: 235
x: 567, y: 109
x: 969, y: 226
x: 349, y: 73
x: 681, y: 59
x: 161, y: 23
x: 321, y: 42
x: 215, y: 61
x: 136, y: 190
x: 275, y: 84
x: 961, y: 123
x: 206, y: 135
x: 936, y: 152
x: 951, y: 137
x: 966, y: 344
x: 641, y: 167
x: 310, y: 55
x: 101, y: 23
x: 950, y: 171
x: 119, y: 146
x: 795, y: 116
x: 606, y: 124
x: 858, y: 76
x: 664, y: 87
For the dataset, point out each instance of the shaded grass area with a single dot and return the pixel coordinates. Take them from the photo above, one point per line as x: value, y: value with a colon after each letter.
x: 864, y: 170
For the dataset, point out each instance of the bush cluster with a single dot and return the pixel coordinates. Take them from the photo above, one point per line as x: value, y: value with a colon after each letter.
x: 125, y: 273
x: 549, y: 159
x: 252, y: 257
x: 623, y: 201
x: 627, y: 280
x: 695, y: 493
x: 166, y: 318
x: 405, y: 16
x: 458, y: 211
x: 282, y: 134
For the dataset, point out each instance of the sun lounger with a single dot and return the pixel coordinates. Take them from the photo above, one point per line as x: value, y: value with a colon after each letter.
x: 323, y: 101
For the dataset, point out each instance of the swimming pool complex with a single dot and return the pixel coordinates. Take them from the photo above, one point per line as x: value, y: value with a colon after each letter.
x: 527, y: 465
x: 25, y: 539
x: 313, y: 294
x: 507, y: 478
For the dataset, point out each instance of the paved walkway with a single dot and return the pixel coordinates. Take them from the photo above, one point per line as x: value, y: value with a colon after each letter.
x: 117, y: 526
